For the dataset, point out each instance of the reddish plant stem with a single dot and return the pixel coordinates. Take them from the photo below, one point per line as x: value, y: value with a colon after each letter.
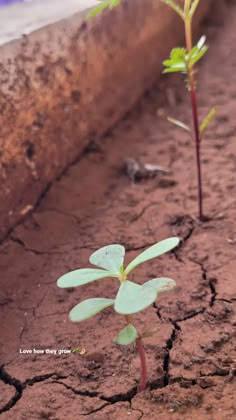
x: 197, y: 149
x: 142, y: 357
x: 193, y: 96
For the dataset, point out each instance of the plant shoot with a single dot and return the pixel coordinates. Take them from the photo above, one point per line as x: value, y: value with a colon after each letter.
x: 183, y: 60
x: 131, y: 297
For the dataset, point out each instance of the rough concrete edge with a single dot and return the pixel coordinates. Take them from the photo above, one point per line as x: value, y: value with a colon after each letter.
x: 65, y: 84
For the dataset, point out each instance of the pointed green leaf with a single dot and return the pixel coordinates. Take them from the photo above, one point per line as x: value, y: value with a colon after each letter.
x: 89, y: 308
x: 132, y: 298
x: 161, y: 284
x: 207, y: 120
x: 83, y: 276
x: 197, y: 56
x: 192, y: 52
x: 179, y: 123
x: 197, y: 52
x: 110, y: 257
x: 153, y: 252
x: 98, y: 9
x: 175, y: 7
x: 127, y: 336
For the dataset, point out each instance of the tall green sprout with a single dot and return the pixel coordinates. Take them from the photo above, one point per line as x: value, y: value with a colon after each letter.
x: 183, y: 60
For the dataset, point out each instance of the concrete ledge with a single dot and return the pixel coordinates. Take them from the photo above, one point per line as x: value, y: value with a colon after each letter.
x: 68, y: 82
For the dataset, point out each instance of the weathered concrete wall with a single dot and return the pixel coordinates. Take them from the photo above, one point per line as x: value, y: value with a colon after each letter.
x: 68, y: 82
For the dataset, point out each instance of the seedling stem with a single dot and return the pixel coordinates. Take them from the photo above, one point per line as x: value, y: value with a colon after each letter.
x: 193, y: 96
x: 142, y: 357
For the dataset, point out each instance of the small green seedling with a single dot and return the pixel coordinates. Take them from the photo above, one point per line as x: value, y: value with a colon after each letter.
x: 131, y: 297
x: 183, y: 60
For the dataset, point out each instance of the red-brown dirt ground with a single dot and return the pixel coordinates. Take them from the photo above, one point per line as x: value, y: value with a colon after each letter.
x: 192, y: 357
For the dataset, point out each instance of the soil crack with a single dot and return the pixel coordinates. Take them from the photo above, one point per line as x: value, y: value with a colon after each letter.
x: 158, y: 310
x: 20, y: 386
x: 27, y: 249
x: 34, y: 315
x: 9, y: 380
x: 226, y: 300
x: 211, y: 281
x: 91, y: 394
x: 169, y: 346
x: 139, y: 411
x: 63, y: 213
x: 190, y: 315
x: 91, y: 147
x: 141, y: 213
x: 183, y: 227
x: 127, y: 396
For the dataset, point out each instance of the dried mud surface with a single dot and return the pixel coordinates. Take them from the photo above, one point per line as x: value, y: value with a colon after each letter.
x: 192, y: 357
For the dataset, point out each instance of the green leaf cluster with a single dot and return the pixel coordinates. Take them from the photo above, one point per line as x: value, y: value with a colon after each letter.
x: 182, y: 61
x: 131, y: 297
x: 177, y: 62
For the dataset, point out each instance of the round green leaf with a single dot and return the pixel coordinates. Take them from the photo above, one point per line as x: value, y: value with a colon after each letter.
x: 154, y: 251
x: 83, y: 276
x: 127, y: 336
x: 161, y: 285
x: 110, y: 257
x: 132, y: 298
x: 89, y: 308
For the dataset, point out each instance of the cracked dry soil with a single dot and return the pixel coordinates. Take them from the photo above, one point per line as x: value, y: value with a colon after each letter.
x: 192, y: 357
